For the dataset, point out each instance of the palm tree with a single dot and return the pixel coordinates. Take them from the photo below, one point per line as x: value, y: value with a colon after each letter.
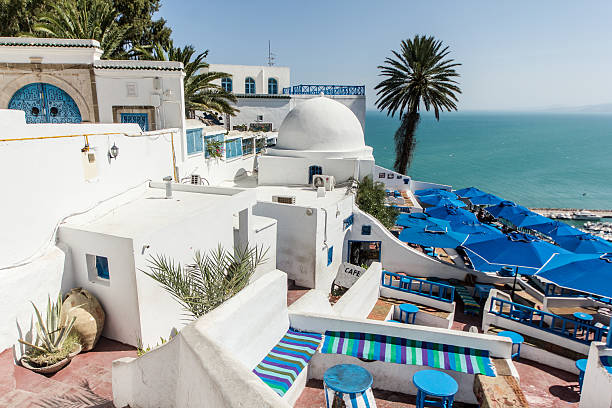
x: 90, y: 19
x: 200, y: 92
x: 419, y: 75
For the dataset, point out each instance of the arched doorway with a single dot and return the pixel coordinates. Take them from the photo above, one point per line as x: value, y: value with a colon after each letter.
x: 45, y: 103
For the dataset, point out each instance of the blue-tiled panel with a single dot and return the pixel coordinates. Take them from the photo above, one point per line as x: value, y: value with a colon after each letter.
x: 141, y: 119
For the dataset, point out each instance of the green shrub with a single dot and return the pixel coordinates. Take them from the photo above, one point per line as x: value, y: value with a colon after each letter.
x: 371, y: 198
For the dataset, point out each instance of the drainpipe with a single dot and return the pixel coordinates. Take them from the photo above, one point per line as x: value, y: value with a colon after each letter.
x: 168, y: 180
x: 325, y: 229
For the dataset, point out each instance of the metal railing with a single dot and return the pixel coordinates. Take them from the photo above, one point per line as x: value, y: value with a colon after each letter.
x: 421, y: 287
x: 325, y: 89
x: 552, y: 323
x: 552, y: 290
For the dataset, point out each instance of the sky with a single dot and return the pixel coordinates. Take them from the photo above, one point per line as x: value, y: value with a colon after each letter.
x: 515, y: 55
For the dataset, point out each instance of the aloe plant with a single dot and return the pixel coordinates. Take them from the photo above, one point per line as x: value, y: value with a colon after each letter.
x: 52, y: 332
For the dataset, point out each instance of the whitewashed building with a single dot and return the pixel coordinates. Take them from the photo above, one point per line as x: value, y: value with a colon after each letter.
x: 265, y: 95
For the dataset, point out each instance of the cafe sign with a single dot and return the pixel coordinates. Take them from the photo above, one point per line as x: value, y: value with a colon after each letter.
x: 348, y: 274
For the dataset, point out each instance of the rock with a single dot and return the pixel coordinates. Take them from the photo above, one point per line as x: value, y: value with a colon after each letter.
x: 89, y: 316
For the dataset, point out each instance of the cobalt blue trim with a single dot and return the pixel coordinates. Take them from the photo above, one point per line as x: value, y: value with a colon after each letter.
x: 555, y: 324
x: 445, y: 293
x: 325, y: 89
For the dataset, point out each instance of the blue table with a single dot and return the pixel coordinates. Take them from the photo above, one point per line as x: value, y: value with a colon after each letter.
x: 481, y: 290
x: 582, y: 318
x: 345, y: 382
x: 516, y: 338
x: 434, y: 384
x: 410, y: 310
x: 581, y: 366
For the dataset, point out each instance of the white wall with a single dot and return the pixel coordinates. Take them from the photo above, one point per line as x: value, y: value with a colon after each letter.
x: 259, y: 73
x: 273, y: 110
x: 279, y: 170
x: 360, y: 298
x: 81, y: 51
x: 111, y: 88
x: 212, y: 359
x: 215, y: 171
x: 597, y: 384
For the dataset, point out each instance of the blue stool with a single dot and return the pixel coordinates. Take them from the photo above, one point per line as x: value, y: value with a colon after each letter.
x: 410, y: 310
x: 582, y: 318
x: 348, y: 382
x: 581, y: 366
x: 431, y: 383
x: 516, y: 339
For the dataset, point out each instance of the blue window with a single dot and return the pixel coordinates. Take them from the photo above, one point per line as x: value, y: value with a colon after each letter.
x: 226, y: 84
x: 312, y: 170
x: 366, y: 230
x: 272, y: 86
x: 406, y: 181
x: 233, y: 148
x: 330, y: 255
x: 194, y: 141
x: 348, y: 221
x: 141, y: 119
x: 249, y: 86
x: 102, y: 267
x: 216, y: 138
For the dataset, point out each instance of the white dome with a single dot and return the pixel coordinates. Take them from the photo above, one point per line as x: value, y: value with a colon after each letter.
x: 321, y: 124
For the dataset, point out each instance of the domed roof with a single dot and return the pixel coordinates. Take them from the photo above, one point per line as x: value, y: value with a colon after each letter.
x: 321, y: 124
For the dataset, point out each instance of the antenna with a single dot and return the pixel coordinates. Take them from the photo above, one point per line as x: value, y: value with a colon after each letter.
x: 271, y: 56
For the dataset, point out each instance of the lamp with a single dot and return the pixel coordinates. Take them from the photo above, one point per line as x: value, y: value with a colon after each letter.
x: 113, y: 152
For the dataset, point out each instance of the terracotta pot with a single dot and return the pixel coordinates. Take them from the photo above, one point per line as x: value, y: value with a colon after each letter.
x: 48, y: 369
x: 89, y: 316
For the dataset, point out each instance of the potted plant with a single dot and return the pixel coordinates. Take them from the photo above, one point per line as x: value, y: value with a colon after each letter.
x: 55, y: 345
x: 214, y: 149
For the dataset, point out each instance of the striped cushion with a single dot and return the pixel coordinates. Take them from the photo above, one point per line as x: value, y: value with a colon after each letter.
x: 285, y: 361
x: 403, y: 351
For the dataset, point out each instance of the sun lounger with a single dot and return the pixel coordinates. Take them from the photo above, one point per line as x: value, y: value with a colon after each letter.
x: 470, y: 306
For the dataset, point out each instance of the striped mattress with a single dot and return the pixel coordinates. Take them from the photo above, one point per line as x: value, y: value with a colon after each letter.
x: 403, y: 351
x: 285, y: 361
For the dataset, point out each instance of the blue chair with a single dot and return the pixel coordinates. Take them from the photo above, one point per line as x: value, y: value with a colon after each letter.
x: 581, y: 366
x: 410, y: 310
x: 436, y: 384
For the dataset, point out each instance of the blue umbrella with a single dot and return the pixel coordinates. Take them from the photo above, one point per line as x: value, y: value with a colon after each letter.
x: 420, y: 220
x: 437, y: 238
x: 515, y: 249
x: 436, y: 191
x: 526, y: 219
x: 505, y: 209
x: 452, y: 214
x: 554, y: 228
x: 589, y: 273
x: 584, y: 244
x: 486, y: 199
x: 469, y: 192
x: 472, y: 227
x: 436, y: 200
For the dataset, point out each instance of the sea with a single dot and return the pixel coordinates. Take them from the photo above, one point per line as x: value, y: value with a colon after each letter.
x: 549, y: 160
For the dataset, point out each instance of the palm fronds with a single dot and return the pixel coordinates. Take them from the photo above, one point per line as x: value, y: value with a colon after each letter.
x: 210, y: 280
x: 420, y: 74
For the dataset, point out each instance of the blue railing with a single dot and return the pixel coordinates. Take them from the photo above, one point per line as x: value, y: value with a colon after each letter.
x: 552, y: 323
x: 325, y: 89
x: 421, y: 287
x: 552, y: 290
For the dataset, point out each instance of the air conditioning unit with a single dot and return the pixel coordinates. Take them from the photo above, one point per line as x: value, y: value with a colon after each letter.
x: 283, y: 199
x: 196, y: 179
x: 322, y: 180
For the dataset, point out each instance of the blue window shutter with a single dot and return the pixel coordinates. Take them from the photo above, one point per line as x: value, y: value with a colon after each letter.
x: 102, y: 267
x: 366, y: 230
x: 330, y: 255
x: 190, y: 142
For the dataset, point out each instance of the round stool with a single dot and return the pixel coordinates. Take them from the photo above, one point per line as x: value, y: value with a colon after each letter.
x: 581, y: 366
x: 516, y: 338
x: 344, y: 382
x: 410, y: 310
x: 432, y: 383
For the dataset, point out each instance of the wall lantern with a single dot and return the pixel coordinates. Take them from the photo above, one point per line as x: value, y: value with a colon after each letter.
x: 113, y: 152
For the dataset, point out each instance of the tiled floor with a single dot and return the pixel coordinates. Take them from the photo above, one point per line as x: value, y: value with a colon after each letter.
x: 85, y: 382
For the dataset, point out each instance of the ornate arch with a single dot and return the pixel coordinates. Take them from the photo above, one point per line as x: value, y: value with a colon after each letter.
x: 9, y: 90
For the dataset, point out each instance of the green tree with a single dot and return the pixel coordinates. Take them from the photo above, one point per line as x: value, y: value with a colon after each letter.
x: 212, y: 279
x: 19, y: 16
x: 94, y: 19
x: 200, y: 92
x: 371, y: 198
x: 419, y: 75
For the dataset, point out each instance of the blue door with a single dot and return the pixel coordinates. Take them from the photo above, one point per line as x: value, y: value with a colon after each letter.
x: 142, y: 119
x: 45, y: 103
